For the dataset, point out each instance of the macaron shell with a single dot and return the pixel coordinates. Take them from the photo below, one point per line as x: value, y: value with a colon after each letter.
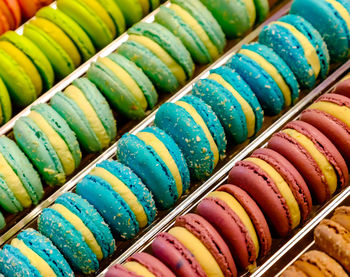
x: 116, y: 15
x: 120, y: 271
x: 15, y: 10
x: 341, y: 216
x: 132, y: 11
x: 5, y: 104
x: 8, y: 200
x: 6, y: 12
x: 343, y: 87
x: 2, y: 221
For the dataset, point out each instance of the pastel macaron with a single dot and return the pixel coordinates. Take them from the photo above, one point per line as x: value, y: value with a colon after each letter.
x: 140, y: 264
x: 300, y: 45
x: 240, y: 222
x: 87, y: 113
x: 160, y: 54
x: 314, y: 156
x: 154, y: 156
x: 330, y: 114
x: 198, y: 30
x: 120, y: 197
x: 233, y: 102
x: 197, y: 131
x: 78, y: 231
x: 276, y: 186
x: 45, y: 137
x: 270, y: 78
x: 331, y: 18
x: 20, y: 185
x: 32, y: 254
x: 5, y: 104
x: 124, y: 84
x: 343, y: 87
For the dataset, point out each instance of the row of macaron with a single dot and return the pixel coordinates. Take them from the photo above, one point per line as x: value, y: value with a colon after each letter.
x: 269, y: 194
x: 58, y: 40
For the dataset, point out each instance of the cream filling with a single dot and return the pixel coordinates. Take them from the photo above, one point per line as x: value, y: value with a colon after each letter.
x: 123, y: 190
x: 79, y: 98
x: 309, y: 50
x: 273, y: 72
x: 199, y: 120
x: 39, y: 263
x: 341, y: 10
x: 138, y: 269
x: 81, y: 227
x: 247, y: 109
x: 163, y: 55
x: 322, y: 161
x: 282, y: 187
x: 14, y: 183
x: 127, y: 80
x: 340, y: 112
x: 197, y: 28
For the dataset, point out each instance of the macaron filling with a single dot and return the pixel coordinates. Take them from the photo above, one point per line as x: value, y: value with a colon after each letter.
x: 158, y: 146
x: 247, y: 109
x: 14, y: 183
x: 124, y: 191
x: 60, y: 146
x: 79, y: 98
x: 340, y: 112
x: 199, y: 251
x: 197, y: 28
x: 199, y: 120
x: 138, y: 269
x: 309, y: 50
x: 127, y: 80
x: 282, y: 187
x: 163, y: 55
x: 342, y: 11
x: 81, y: 227
x: 272, y: 71
x: 39, y: 263
x: 325, y: 166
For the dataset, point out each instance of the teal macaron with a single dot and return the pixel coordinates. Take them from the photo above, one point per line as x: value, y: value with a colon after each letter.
x: 5, y: 104
x: 78, y: 231
x: 20, y: 185
x: 24, y: 252
x: 198, y: 30
x: 197, y: 131
x: 127, y: 88
x: 120, y: 196
x: 87, y: 113
x: 268, y: 75
x: 233, y: 102
x: 300, y: 45
x: 153, y: 156
x: 332, y: 21
x: 160, y: 54
x: 45, y: 137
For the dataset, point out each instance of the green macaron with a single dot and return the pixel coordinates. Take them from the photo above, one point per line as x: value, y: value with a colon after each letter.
x: 5, y: 104
x: 116, y: 15
x: 131, y: 9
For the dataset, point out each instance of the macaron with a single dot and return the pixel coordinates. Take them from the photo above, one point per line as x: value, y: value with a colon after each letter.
x: 332, y: 19
x: 5, y: 104
x: 140, y: 264
x: 15, y: 11
x: 2, y: 221
x: 332, y: 238
x: 45, y: 137
x: 343, y: 87
x: 330, y: 114
x: 7, y: 15
x: 154, y: 156
x: 114, y: 12
x: 197, y: 131
x: 80, y: 39
x: 196, y: 27
x: 314, y: 156
x: 233, y: 102
x: 32, y: 254
x: 270, y: 78
x: 87, y: 113
x: 30, y: 7
x: 160, y: 54
x: 316, y: 263
x: 342, y: 215
x: 124, y: 84
x: 276, y: 186
x: 20, y: 185
x: 120, y: 197
x: 240, y: 222
x: 300, y: 45
x: 132, y: 10
x: 78, y: 231
x: 35, y: 54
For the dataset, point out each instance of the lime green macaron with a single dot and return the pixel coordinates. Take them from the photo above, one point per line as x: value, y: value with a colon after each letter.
x: 5, y: 104
x: 116, y: 15
x: 131, y: 9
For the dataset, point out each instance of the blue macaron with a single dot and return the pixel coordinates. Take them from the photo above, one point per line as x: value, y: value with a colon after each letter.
x: 20, y: 258
x: 197, y: 131
x: 78, y: 231
x: 120, y: 197
x: 233, y: 102
x: 300, y: 45
x: 158, y: 161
